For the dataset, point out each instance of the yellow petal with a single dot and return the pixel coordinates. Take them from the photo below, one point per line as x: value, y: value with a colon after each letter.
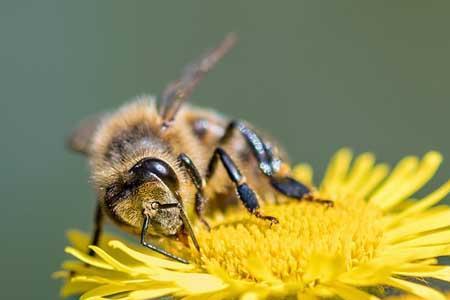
x: 324, y: 268
x: 259, y: 270
x: 415, y: 289
x: 410, y: 183
x: 426, y: 202
x: 150, y: 260
x: 423, y: 270
x: 101, y: 280
x: 80, y: 268
x: 441, y: 274
x: 421, y: 266
x: 303, y: 173
x: 198, y: 283
x: 347, y: 292
x: 60, y: 274
x: 336, y: 171
x: 436, y: 238
x: 76, y: 288
x: 371, y: 182
x: 112, y: 261
x: 417, y: 253
x: 104, y: 290
x: 250, y: 296
x: 404, y: 168
x: 359, y: 171
x: 306, y: 296
x: 368, y: 274
x: 78, y: 240
x: 91, y: 260
x: 429, y: 223
x: 151, y: 293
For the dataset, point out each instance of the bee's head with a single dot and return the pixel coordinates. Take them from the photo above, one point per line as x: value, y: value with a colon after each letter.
x: 151, y: 189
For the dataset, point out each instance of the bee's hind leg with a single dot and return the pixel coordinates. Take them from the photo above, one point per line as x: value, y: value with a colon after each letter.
x: 291, y: 188
x: 245, y: 193
x: 270, y: 165
x: 199, y: 184
x: 98, y: 228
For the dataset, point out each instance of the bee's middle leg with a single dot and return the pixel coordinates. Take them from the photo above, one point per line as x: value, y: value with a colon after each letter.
x: 245, y: 193
x: 269, y: 164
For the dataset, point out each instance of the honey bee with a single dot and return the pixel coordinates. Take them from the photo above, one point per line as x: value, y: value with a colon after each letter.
x: 147, y: 161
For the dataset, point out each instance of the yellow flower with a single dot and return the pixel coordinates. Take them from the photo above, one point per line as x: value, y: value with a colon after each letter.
x: 373, y: 237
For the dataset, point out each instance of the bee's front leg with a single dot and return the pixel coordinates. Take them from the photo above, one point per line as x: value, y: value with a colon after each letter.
x: 199, y: 184
x: 150, y: 246
x: 245, y: 193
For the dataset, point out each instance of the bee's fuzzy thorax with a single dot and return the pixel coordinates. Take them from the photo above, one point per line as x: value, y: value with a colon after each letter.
x: 109, y: 164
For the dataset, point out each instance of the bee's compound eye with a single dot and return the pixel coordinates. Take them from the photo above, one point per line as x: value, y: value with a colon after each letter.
x: 148, y: 167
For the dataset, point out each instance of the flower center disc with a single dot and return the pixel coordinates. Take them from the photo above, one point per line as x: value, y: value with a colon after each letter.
x: 245, y: 247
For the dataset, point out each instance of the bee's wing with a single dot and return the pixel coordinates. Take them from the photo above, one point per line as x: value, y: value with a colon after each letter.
x: 177, y: 92
x: 80, y: 139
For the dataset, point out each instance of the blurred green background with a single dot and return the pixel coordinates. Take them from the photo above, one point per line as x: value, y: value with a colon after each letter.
x: 317, y: 74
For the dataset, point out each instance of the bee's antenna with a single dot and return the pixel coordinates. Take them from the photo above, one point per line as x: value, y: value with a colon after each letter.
x: 179, y: 91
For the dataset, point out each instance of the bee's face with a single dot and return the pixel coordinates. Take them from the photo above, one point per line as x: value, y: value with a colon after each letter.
x: 152, y: 184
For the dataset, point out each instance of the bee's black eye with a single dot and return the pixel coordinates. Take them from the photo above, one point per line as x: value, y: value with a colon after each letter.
x: 148, y: 167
